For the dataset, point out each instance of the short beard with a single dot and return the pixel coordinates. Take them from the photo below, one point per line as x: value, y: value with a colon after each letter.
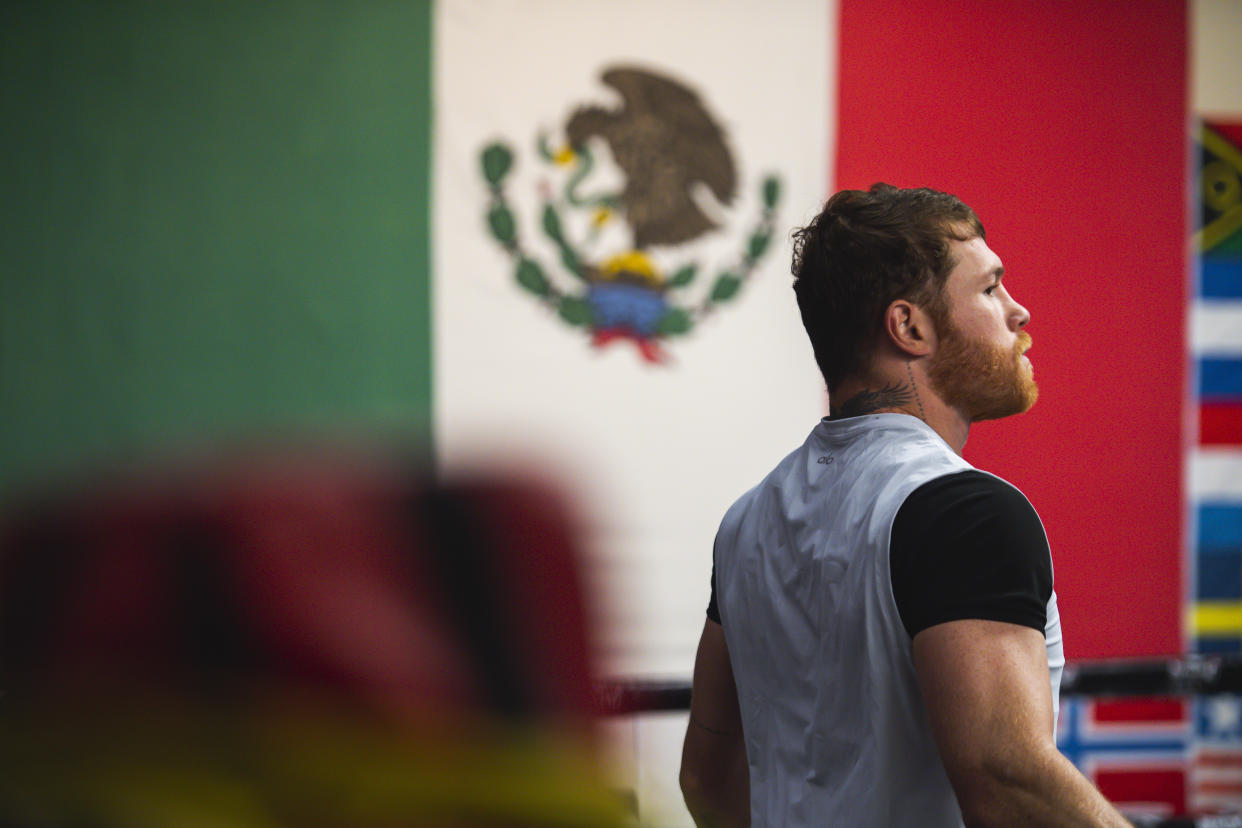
x: 981, y: 381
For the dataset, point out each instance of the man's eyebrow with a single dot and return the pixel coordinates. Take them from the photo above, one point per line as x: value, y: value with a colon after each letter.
x: 997, y: 273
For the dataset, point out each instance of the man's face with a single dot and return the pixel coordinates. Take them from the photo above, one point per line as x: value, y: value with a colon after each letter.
x: 979, y: 367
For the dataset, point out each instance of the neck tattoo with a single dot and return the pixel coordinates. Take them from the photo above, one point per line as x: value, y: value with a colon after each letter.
x: 914, y: 386
x: 889, y: 398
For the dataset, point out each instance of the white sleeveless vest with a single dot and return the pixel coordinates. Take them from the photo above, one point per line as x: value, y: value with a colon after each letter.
x: 836, y: 731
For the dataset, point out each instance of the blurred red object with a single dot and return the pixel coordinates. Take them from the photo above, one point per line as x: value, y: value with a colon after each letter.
x: 431, y: 620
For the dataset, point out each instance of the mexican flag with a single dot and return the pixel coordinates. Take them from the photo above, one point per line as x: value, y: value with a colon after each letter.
x: 557, y: 234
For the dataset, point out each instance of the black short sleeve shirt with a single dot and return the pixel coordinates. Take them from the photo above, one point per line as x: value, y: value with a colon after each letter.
x: 969, y: 545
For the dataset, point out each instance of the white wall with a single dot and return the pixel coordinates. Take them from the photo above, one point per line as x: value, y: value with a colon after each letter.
x: 1216, y: 58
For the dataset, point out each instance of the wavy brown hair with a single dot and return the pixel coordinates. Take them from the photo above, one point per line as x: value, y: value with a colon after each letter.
x: 864, y: 250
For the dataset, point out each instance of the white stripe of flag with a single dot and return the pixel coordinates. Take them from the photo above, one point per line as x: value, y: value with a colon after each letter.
x: 655, y: 453
x: 1216, y: 474
x: 1216, y: 328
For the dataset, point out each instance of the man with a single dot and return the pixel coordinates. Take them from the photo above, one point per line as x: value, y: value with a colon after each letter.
x: 883, y: 646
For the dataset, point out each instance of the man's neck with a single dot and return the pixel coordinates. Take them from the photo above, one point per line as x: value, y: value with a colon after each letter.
x: 891, y: 398
x: 890, y: 392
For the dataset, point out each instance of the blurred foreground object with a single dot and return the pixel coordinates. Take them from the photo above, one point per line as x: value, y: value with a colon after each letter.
x: 295, y: 640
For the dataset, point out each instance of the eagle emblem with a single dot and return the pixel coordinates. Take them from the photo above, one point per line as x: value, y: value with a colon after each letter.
x: 618, y: 243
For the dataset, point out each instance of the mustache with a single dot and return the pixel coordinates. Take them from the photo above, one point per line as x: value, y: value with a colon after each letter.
x: 1023, y: 344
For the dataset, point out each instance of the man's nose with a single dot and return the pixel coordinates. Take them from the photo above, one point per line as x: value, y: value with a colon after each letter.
x: 1019, y: 316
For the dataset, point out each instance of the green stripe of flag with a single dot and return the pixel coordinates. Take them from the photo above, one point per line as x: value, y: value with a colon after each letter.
x: 215, y: 222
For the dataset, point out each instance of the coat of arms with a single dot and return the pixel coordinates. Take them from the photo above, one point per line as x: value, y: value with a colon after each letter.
x: 669, y: 148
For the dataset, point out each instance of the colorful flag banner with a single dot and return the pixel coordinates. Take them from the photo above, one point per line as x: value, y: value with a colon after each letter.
x: 1215, y: 462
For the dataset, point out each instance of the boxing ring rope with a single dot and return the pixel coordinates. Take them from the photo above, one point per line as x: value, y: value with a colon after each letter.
x: 1190, y: 676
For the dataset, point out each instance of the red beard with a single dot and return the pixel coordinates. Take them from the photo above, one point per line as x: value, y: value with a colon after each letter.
x: 982, y: 381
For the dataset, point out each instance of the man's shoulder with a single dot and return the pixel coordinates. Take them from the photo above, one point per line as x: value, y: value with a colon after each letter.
x: 969, y: 508
x: 967, y: 488
x: 970, y: 546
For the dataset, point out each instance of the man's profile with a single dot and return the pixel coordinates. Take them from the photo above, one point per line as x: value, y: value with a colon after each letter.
x: 883, y: 646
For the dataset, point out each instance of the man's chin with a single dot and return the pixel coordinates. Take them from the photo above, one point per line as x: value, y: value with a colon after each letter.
x: 1021, y: 401
x: 1029, y: 390
x: 982, y: 382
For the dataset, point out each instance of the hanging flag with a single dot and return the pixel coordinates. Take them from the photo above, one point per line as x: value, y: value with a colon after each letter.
x: 1215, y: 463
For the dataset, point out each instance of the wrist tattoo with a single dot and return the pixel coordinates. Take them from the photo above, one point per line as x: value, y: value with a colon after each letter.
x: 710, y: 730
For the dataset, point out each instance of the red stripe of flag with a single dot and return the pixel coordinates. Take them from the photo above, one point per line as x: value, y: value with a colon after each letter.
x: 1219, y: 760
x: 1140, y: 711
x: 1166, y: 786
x: 1035, y: 115
x: 1220, y: 424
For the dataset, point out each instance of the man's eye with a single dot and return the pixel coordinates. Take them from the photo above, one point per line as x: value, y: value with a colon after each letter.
x: 990, y: 290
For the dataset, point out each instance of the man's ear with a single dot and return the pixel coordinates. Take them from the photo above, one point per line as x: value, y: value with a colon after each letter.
x: 909, y: 328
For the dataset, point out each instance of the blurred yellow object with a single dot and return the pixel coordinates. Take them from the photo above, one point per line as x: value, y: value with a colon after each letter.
x: 289, y: 763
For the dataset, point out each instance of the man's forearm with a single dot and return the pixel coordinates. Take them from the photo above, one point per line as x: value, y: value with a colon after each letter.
x: 714, y: 775
x: 718, y: 803
x: 716, y: 814
x: 716, y: 785
x: 1046, y: 790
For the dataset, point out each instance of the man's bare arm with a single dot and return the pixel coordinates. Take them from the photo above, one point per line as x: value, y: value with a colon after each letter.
x: 988, y: 696
x: 714, y: 777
